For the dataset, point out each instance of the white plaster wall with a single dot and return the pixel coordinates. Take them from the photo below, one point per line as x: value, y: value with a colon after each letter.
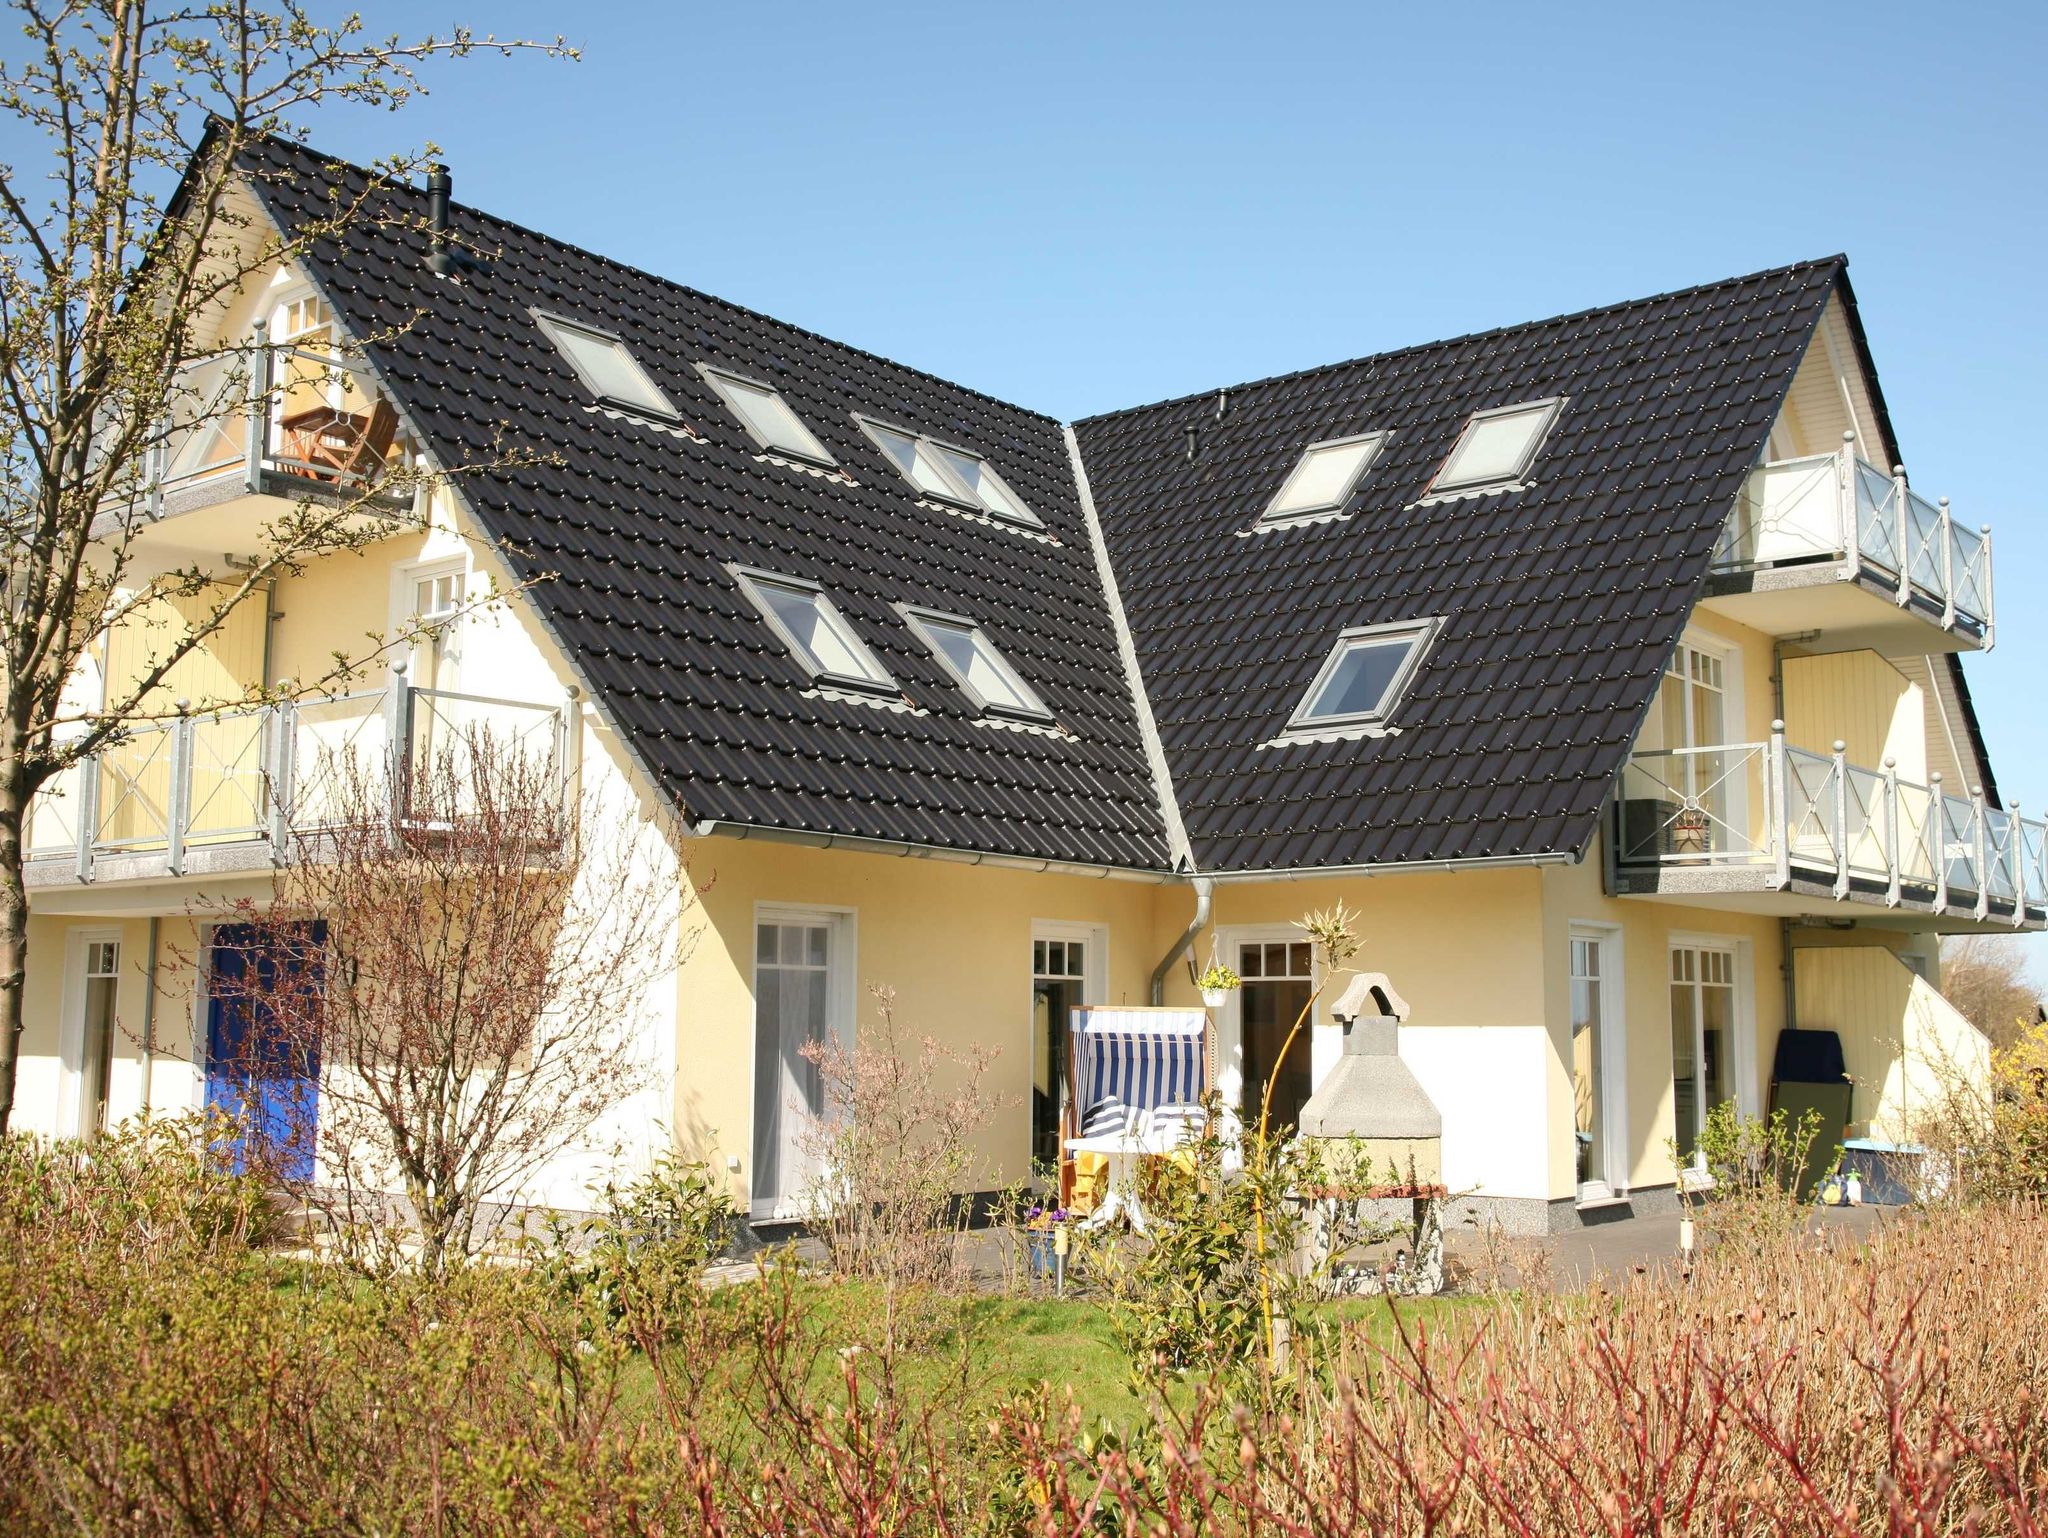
x: 1488, y: 1081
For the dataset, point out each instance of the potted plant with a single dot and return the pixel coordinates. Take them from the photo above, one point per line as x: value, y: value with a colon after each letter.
x: 1041, y: 1238
x: 1217, y: 983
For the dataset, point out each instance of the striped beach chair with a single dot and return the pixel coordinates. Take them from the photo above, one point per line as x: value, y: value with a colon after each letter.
x: 1135, y: 1060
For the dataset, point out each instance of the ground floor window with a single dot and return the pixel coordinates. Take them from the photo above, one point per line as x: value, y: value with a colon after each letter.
x: 800, y: 962
x: 1703, y: 1016
x: 1278, y: 980
x: 1059, y: 985
x: 99, y: 983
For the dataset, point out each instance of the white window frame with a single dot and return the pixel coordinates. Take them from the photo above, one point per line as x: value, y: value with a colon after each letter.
x: 721, y: 380
x: 1094, y: 990
x: 1272, y: 517
x: 1613, y: 1060
x: 405, y: 579
x: 751, y: 579
x: 1230, y: 1018
x: 841, y: 978
x: 71, y: 1051
x: 1742, y: 1049
x: 919, y: 618
x: 1422, y: 634
x: 1552, y: 407
x: 552, y: 325
x: 961, y: 495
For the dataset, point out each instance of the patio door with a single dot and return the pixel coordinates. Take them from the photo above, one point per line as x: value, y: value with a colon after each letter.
x: 1703, y: 1026
x: 1598, y: 1063
x: 1279, y: 978
x: 262, y: 1043
x: 1692, y: 711
x: 802, y: 1000
x: 1066, y: 962
x: 94, y: 981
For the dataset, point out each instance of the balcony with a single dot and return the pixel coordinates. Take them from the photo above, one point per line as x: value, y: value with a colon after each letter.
x: 1833, y: 545
x: 235, y: 790
x: 1775, y: 827
x: 263, y: 421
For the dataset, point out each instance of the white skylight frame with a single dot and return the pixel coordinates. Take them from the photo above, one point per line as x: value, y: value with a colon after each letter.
x: 1544, y: 411
x: 1002, y: 503
x: 1418, y: 635
x: 797, y: 441
x: 757, y: 584
x: 642, y: 395
x: 1023, y: 703
x: 1373, y: 444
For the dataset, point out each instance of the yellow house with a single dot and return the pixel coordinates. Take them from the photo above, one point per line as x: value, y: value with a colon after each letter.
x: 1604, y: 665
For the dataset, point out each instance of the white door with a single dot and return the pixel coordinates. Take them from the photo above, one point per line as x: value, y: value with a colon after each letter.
x: 1703, y: 1026
x: 94, y: 986
x: 1599, y: 1073
x: 1066, y: 971
x: 801, y: 1003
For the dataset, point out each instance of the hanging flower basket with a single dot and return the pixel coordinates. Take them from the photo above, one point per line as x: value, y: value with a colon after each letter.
x: 1218, y: 983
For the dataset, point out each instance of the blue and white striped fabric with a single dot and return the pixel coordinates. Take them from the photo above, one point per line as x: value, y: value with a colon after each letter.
x: 1144, y: 1057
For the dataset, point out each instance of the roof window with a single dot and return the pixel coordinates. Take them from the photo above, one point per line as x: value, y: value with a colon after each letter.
x: 766, y: 415
x: 1364, y: 676
x: 950, y: 474
x: 1498, y: 446
x: 983, y: 672
x: 1324, y: 477
x: 607, y: 369
x: 816, y: 633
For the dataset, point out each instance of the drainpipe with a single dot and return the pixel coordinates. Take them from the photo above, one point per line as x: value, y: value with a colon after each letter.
x: 1789, y: 975
x: 1205, y: 890
x: 149, y: 1021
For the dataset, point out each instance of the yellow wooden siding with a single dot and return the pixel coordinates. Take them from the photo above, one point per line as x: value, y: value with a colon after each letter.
x: 1860, y: 699
x: 1902, y: 1041
x: 1828, y: 397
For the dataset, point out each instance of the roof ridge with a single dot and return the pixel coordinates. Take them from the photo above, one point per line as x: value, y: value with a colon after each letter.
x: 1839, y: 260
x: 734, y: 306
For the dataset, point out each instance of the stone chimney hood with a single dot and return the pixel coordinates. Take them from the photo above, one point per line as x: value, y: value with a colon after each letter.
x: 1370, y: 1094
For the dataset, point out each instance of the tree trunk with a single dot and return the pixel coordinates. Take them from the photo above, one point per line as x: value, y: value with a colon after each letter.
x: 13, y: 939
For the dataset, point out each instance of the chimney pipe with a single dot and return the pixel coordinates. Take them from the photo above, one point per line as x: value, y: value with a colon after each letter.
x: 439, y: 257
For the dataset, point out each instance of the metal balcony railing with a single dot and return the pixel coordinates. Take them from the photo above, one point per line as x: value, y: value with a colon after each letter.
x: 275, y: 418
x: 1835, y: 509
x: 1864, y: 832
x: 262, y: 775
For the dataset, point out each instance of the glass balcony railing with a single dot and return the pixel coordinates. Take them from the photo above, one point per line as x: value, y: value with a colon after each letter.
x: 262, y: 775
x: 278, y: 419
x: 1866, y: 833
x: 1837, y: 510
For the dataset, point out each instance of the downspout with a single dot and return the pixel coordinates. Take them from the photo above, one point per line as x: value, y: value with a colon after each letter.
x: 1205, y: 889
x: 1789, y: 974
x: 149, y: 1020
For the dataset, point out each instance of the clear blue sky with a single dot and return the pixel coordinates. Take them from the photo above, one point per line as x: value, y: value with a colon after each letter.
x: 1079, y: 207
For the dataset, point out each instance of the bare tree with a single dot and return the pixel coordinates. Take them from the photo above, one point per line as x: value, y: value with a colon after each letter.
x: 1986, y: 978
x: 466, y: 969
x: 120, y: 245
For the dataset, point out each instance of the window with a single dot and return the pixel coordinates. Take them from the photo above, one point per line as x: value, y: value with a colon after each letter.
x: 971, y: 657
x: 1498, y: 446
x: 1059, y: 985
x: 1324, y: 478
x: 606, y: 368
x: 766, y: 415
x: 817, y: 633
x: 802, y: 967
x: 950, y: 474
x: 1702, y: 1038
x: 102, y: 975
x: 1365, y: 675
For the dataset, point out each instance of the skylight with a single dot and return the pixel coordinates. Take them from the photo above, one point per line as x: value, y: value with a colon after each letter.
x: 766, y: 415
x: 606, y: 368
x: 950, y: 474
x: 1364, y: 676
x: 817, y: 633
x: 1498, y: 446
x: 972, y: 658
x: 1324, y: 477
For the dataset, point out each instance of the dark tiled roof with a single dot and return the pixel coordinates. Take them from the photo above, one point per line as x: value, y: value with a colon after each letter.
x: 635, y: 525
x: 1561, y: 601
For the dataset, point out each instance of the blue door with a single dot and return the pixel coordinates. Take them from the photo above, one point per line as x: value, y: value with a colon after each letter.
x: 262, y: 1042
